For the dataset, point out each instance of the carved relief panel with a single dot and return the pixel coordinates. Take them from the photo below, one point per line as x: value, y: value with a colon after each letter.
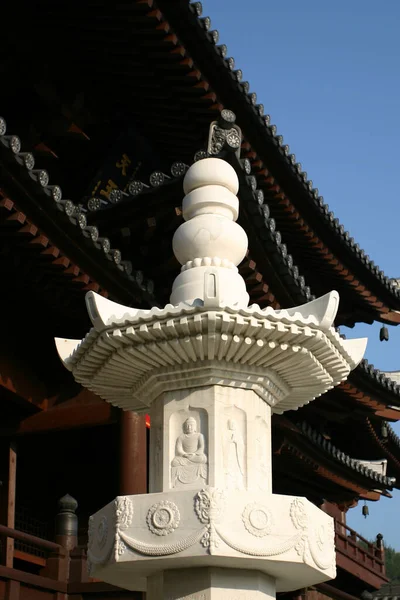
x: 188, y: 448
x: 234, y: 448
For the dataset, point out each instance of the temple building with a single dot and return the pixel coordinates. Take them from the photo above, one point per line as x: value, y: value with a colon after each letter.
x: 101, y: 117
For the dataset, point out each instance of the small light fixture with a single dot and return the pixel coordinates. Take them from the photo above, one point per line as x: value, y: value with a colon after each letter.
x: 365, y: 510
x: 384, y: 430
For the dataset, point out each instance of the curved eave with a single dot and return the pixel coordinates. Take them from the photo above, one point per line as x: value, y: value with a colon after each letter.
x: 94, y: 256
x: 269, y: 146
x: 375, y: 385
x: 388, y: 447
x: 330, y: 463
x: 346, y: 462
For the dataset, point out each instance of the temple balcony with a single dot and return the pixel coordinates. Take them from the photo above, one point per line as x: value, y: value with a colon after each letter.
x: 356, y: 555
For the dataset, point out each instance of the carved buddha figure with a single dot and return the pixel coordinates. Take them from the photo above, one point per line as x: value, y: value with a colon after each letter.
x: 190, y: 462
x: 234, y: 460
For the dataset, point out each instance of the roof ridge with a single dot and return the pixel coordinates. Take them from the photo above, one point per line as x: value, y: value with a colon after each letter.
x: 136, y: 187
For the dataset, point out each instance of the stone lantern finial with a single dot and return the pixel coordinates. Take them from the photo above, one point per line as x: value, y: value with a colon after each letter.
x: 210, y: 244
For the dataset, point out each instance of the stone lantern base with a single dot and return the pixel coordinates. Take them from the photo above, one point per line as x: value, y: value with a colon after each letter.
x: 285, y: 538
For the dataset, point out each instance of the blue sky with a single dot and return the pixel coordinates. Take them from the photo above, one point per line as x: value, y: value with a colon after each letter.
x: 328, y: 74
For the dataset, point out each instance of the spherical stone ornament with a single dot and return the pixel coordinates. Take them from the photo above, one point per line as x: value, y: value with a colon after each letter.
x: 163, y: 518
x: 211, y: 171
x: 189, y: 286
x: 210, y: 199
x: 210, y: 236
x: 257, y: 519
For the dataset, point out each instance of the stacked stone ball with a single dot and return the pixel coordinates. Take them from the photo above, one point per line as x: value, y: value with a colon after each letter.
x: 210, y: 240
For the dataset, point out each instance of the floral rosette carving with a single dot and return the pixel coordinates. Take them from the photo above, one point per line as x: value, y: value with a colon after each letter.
x: 210, y: 506
x: 298, y: 514
x: 123, y: 512
x: 299, y: 518
x: 163, y: 518
x: 257, y: 519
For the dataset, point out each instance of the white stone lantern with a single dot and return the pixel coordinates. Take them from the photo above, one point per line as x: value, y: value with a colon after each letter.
x: 210, y: 370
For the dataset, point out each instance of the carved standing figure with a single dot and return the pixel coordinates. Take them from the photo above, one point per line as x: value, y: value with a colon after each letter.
x: 234, y: 457
x: 190, y: 462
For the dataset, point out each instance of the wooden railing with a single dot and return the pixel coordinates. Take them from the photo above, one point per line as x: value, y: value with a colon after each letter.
x: 14, y: 534
x: 61, y: 571
x: 367, y: 558
x: 53, y: 570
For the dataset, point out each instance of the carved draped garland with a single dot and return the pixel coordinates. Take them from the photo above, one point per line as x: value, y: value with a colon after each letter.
x: 311, y: 543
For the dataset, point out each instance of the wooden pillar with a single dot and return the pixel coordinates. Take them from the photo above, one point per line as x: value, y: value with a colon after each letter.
x: 8, y: 501
x: 133, y: 454
x: 12, y: 590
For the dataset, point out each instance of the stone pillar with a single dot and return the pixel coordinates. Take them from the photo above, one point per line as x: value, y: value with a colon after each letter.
x: 234, y: 426
x: 211, y: 370
x: 208, y: 583
x: 133, y: 453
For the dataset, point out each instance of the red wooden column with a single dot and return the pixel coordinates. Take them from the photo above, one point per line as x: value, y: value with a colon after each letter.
x: 133, y: 454
x: 12, y: 590
x: 7, y: 506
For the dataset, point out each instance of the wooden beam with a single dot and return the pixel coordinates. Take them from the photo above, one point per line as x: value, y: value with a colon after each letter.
x: 30, y: 558
x: 12, y: 590
x: 71, y: 416
x: 31, y: 580
x: 392, y: 317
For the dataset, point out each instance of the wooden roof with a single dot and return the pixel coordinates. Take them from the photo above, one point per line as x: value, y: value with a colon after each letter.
x: 166, y: 79
x: 159, y: 67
